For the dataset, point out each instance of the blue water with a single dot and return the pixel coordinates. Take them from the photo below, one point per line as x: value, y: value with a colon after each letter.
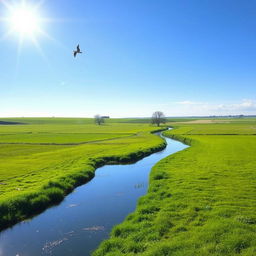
x: 85, y: 218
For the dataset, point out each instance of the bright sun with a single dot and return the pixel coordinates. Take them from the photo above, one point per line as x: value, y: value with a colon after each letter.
x: 24, y: 20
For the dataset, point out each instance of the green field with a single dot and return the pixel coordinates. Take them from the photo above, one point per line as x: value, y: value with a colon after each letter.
x: 201, y: 201
x: 44, y: 159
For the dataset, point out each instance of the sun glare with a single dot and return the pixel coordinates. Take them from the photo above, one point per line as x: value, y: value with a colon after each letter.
x: 25, y: 21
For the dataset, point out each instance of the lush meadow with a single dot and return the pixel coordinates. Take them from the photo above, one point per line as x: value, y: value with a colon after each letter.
x: 201, y: 201
x: 44, y: 159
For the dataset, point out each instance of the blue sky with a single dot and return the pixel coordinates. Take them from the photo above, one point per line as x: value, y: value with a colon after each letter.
x: 193, y: 57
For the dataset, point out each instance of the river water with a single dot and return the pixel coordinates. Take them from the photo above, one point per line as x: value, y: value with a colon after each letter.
x: 85, y: 217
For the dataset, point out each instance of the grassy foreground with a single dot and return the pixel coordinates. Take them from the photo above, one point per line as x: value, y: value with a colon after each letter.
x: 201, y: 201
x: 43, y: 159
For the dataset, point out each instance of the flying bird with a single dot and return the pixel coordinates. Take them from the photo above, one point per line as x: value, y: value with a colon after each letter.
x: 77, y: 51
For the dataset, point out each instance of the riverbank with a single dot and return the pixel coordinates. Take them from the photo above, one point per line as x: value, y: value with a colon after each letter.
x: 27, y: 205
x: 48, y: 173
x: 86, y: 217
x: 201, y: 201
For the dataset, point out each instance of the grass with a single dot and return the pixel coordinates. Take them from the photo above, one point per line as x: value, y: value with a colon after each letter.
x: 201, y: 201
x: 58, y: 138
x: 43, y: 160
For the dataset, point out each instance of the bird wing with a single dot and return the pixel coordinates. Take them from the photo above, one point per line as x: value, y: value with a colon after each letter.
x: 75, y: 53
x: 78, y: 48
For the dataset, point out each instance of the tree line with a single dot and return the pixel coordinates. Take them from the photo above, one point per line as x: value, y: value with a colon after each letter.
x: 157, y: 118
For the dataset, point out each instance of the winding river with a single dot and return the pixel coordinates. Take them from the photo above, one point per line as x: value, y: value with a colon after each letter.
x: 79, y: 223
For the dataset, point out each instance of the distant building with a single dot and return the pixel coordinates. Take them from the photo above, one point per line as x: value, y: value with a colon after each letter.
x: 105, y: 117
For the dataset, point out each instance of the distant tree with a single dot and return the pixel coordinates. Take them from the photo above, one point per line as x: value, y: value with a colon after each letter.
x: 98, y: 119
x: 158, y: 118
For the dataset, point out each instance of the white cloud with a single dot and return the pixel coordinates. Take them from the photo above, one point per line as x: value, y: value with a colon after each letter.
x: 187, y: 107
x: 245, y: 105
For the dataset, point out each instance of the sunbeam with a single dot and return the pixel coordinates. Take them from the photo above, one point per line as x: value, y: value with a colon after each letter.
x: 39, y: 49
x: 19, y: 46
